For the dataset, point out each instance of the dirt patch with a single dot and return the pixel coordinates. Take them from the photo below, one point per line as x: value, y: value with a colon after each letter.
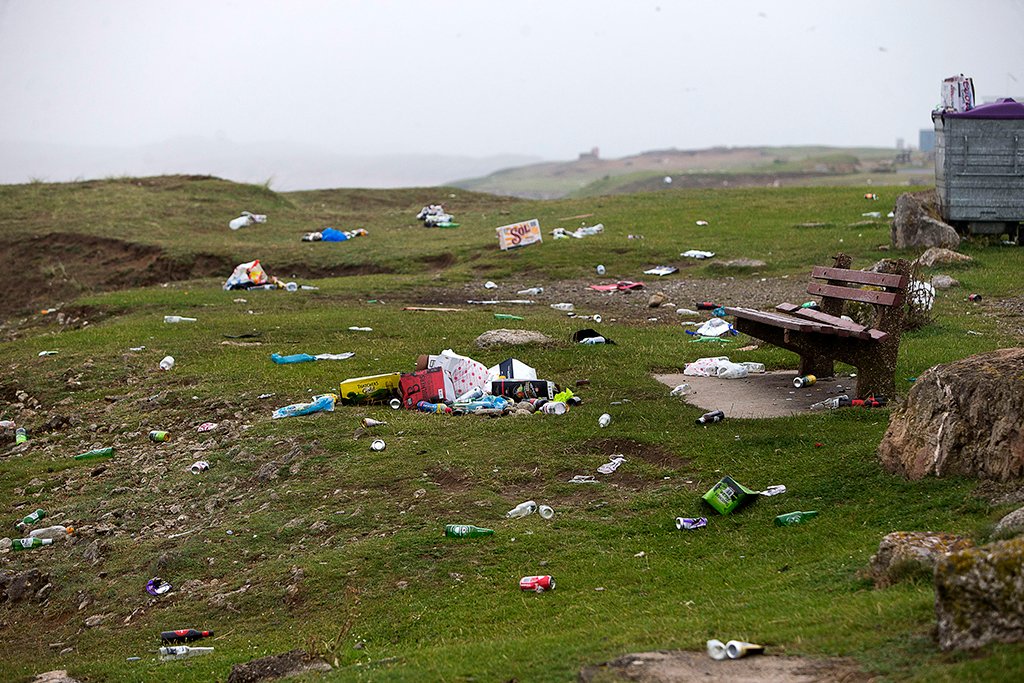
x: 770, y: 394
x: 634, y: 450
x: 450, y: 480
x: 275, y: 667
x: 678, y: 666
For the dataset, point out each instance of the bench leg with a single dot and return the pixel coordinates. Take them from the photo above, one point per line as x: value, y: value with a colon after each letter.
x: 876, y: 372
x: 817, y: 365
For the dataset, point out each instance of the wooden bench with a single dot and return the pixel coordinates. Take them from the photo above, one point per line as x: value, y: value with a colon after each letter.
x: 821, y: 337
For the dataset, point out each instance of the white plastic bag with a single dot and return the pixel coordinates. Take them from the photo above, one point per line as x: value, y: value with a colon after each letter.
x: 728, y: 370
x: 715, y: 327
x: 705, y: 367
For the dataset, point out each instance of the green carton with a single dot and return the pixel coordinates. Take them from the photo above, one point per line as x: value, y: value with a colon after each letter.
x: 727, y: 495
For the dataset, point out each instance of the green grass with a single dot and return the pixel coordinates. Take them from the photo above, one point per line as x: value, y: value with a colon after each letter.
x: 377, y: 573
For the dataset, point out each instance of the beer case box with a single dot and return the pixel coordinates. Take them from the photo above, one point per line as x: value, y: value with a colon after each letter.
x: 431, y: 385
x: 370, y: 389
x: 728, y: 495
x: 520, y: 389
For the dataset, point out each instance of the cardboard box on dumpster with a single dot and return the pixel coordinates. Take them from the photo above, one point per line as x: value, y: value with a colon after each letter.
x: 431, y: 385
x: 958, y: 93
x: 520, y: 389
x: 519, y: 234
x: 370, y: 389
x: 727, y: 495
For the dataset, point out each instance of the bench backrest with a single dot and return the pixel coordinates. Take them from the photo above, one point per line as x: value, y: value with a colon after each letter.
x: 886, y: 291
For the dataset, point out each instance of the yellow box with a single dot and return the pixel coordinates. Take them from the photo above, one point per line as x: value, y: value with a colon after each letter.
x: 371, y: 389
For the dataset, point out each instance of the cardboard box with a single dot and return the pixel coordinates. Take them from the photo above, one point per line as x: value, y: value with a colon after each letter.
x: 727, y: 495
x: 371, y: 389
x: 520, y: 389
x: 519, y: 234
x: 431, y: 385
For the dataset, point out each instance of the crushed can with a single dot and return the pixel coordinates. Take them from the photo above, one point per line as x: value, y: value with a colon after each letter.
x: 691, y: 523
x: 537, y: 583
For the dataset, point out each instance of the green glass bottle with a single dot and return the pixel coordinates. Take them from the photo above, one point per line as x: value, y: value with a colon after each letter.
x: 96, y: 453
x: 466, y: 531
x: 795, y: 518
x: 29, y: 543
x: 30, y: 519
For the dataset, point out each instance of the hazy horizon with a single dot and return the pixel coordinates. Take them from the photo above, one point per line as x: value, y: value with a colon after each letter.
x: 473, y: 81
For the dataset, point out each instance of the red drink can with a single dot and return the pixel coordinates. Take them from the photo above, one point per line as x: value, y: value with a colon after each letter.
x: 537, y: 583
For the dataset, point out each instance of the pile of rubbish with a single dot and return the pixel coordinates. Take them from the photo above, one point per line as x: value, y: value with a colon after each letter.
x: 250, y: 275
x: 435, y: 216
x: 332, y: 235
x: 585, y: 231
x: 450, y: 384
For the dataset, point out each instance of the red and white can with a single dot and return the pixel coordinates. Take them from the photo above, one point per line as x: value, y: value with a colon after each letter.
x: 537, y: 583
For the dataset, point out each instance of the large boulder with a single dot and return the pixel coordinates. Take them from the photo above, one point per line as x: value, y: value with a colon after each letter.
x: 964, y: 418
x: 903, y: 554
x: 941, y: 256
x: 916, y: 223
x: 979, y: 596
x: 1012, y: 523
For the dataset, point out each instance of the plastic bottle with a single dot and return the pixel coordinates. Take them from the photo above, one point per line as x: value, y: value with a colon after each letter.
x: 466, y: 531
x: 554, y: 408
x: 604, y: 420
x: 523, y: 509
x: 53, y: 533
x: 546, y: 511
x: 757, y: 368
x: 590, y: 341
x: 795, y: 517
x: 680, y: 390
x: 185, y: 635
x: 178, y: 319
x: 29, y: 543
x: 7, y: 424
x: 167, y: 363
x: 710, y: 418
x: 183, y: 652
x: 20, y: 435
x: 600, y: 270
x: 322, y: 402
x: 428, y: 407
x: 159, y: 436
x: 563, y: 307
x: 532, y: 291
x: 30, y: 519
x: 96, y: 453
x: 474, y: 393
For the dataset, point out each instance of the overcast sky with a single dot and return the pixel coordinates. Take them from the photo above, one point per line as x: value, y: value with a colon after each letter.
x: 474, y: 77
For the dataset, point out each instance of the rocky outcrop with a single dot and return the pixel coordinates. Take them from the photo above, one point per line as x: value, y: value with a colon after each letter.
x: 916, y: 224
x: 940, y: 256
x: 979, y: 596
x: 511, y: 338
x: 30, y: 584
x: 963, y: 418
x: 1012, y: 523
x: 903, y: 554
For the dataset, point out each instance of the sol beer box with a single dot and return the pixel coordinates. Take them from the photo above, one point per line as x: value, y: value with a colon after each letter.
x: 519, y: 234
x: 371, y: 389
x: 520, y: 389
x: 431, y: 385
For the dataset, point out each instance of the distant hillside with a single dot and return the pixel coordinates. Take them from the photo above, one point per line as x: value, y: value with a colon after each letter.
x: 715, y: 167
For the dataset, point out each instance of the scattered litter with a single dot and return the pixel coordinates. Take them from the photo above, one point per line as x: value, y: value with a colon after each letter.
x: 621, y: 286
x: 728, y: 495
x: 773, y: 490
x: 687, y: 311
x: 137, y: 348
x: 95, y: 453
x: 640, y: 554
x: 246, y: 275
x: 661, y: 270
x: 804, y: 381
x: 159, y: 436
x: 583, y: 479
x: 538, y: 584
x: 178, y: 319
x: 705, y: 367
x: 360, y: 329
x: 246, y: 219
x: 157, y: 586
x: 734, y: 649
x: 872, y: 214
x: 47, y: 353
x: 710, y: 418
x: 691, y: 523
x: 490, y: 302
x: 791, y: 518
x: 319, y: 403
x: 680, y: 390
x: 306, y: 358
x: 716, y: 327
x: 437, y: 310
x: 702, y: 222
x: 183, y: 652
x: 600, y: 270
x: 370, y: 422
x: 262, y: 396
x: 546, y: 511
x: 378, y: 445
x: 612, y: 464
x: 184, y: 635
x: 582, y: 337
x: 522, y: 510
x: 490, y: 285
x: 698, y: 254
x: 531, y: 291
x: 585, y: 231
x: 568, y: 307
x: 974, y: 297
x: 332, y: 235
x: 199, y: 466
x: 507, y: 316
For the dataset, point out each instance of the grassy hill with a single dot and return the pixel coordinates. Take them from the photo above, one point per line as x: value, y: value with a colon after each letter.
x: 714, y: 167
x: 301, y: 536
